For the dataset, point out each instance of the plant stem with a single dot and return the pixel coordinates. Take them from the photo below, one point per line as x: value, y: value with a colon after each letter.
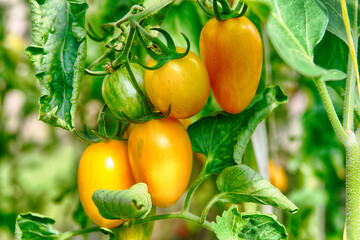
x: 99, y: 60
x: 202, y: 176
x: 352, y: 49
x: 353, y: 190
x: 348, y: 119
x: 185, y: 215
x: 68, y: 235
x: 151, y: 10
x: 209, y: 205
x: 330, y: 110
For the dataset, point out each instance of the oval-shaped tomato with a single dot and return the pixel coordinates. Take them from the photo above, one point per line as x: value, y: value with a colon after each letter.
x: 278, y: 176
x: 120, y: 95
x: 160, y: 155
x: 103, y: 165
x: 182, y: 83
x: 233, y: 54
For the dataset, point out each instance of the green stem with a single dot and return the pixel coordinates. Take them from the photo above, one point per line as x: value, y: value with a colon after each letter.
x: 151, y: 10
x: 225, y: 6
x: 353, y: 190
x: 68, y: 235
x: 202, y: 176
x: 348, y: 119
x: 330, y: 110
x: 99, y: 60
x: 124, y: 55
x: 209, y: 205
x: 179, y: 215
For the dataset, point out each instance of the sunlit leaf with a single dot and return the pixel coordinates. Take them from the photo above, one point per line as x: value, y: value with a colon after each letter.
x: 34, y: 226
x: 233, y: 225
x: 238, y: 184
x: 58, y: 53
x: 295, y: 28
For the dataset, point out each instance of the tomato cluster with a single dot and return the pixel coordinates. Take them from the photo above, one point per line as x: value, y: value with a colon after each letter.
x: 158, y: 152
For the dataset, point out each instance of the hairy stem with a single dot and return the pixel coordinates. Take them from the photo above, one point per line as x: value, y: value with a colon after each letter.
x: 330, y: 110
x: 348, y: 119
x: 353, y: 190
x: 209, y: 205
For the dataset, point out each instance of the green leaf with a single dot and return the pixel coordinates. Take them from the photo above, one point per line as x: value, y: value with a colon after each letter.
x: 240, y: 183
x: 58, y: 53
x: 233, y: 225
x: 295, y: 28
x: 131, y: 203
x: 215, y: 136
x: 336, y: 22
x: 34, y: 226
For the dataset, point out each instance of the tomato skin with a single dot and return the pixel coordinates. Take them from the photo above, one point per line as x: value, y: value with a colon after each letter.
x: 160, y: 155
x: 103, y: 165
x: 120, y: 95
x: 278, y: 176
x: 183, y: 83
x: 233, y: 54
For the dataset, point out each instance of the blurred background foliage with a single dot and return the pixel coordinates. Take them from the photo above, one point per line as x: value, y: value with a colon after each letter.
x: 38, y: 163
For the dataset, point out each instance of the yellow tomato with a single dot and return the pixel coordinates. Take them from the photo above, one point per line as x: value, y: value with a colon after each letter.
x: 182, y: 83
x: 278, y: 176
x: 233, y: 54
x: 103, y: 165
x: 160, y: 155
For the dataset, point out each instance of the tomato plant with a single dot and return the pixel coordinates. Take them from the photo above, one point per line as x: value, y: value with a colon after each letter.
x: 121, y: 95
x: 182, y: 83
x: 160, y: 155
x: 103, y: 165
x: 304, y: 42
x: 233, y: 54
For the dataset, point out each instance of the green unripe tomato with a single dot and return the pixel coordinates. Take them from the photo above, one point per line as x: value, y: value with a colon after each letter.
x: 120, y: 95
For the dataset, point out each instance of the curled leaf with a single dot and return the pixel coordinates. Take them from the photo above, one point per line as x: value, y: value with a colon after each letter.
x: 131, y: 203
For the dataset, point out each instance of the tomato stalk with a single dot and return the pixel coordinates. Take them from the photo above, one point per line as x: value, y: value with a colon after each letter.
x: 68, y: 235
x: 185, y: 215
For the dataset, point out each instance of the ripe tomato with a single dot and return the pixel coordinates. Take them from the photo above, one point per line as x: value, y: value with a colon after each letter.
x: 103, y: 165
x: 278, y: 176
x: 120, y: 95
x: 182, y: 83
x: 233, y: 54
x: 160, y: 155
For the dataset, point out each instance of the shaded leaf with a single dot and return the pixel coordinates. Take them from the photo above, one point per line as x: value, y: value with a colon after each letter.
x: 131, y: 203
x: 233, y: 225
x: 240, y: 183
x: 215, y: 136
x: 34, y: 226
x: 58, y: 53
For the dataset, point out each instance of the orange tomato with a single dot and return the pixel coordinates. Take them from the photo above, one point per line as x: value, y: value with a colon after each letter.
x: 182, y: 83
x: 160, y: 155
x: 233, y: 54
x: 103, y: 165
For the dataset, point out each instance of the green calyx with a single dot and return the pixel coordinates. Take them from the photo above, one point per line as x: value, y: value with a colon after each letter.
x: 160, y: 52
x: 221, y: 9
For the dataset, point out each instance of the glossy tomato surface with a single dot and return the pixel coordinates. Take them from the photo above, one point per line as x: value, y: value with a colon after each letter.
x: 103, y: 165
x: 182, y: 83
x: 233, y: 54
x: 120, y: 95
x: 160, y: 155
